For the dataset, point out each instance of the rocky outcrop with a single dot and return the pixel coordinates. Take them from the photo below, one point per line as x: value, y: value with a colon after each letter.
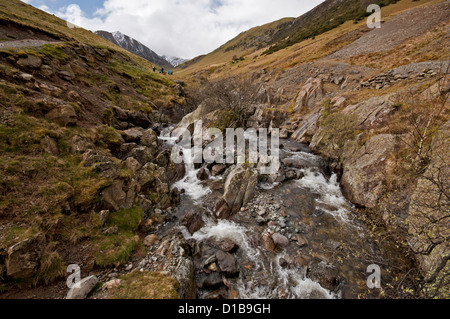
x: 23, y: 259
x: 308, y: 127
x: 311, y: 93
x: 63, y: 115
x: 366, y: 169
x: 116, y: 197
x: 177, y: 263
x: 372, y: 112
x: 412, y: 72
x: 429, y: 225
x: 50, y: 146
x: 239, y: 189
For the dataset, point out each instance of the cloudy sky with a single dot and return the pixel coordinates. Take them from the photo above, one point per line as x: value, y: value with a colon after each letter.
x: 181, y: 28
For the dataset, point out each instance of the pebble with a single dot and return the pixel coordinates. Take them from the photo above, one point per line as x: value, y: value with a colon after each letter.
x: 129, y: 267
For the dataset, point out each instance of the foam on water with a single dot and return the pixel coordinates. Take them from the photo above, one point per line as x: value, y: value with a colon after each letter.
x: 288, y: 281
x: 329, y: 192
x: 166, y: 136
x: 192, y: 186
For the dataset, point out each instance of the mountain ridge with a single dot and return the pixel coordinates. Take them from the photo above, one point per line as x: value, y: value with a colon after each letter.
x: 134, y: 46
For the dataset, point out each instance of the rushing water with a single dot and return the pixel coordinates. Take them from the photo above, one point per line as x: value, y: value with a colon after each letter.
x: 312, y: 205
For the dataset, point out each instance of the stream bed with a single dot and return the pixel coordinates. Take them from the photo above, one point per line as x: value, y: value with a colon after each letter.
x: 320, y: 251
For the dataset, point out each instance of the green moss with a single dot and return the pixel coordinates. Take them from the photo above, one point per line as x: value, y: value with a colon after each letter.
x: 126, y: 219
x: 146, y: 285
x: 54, y: 52
x: 114, y: 250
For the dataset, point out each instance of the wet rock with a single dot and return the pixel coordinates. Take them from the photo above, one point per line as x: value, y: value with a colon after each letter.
x: 227, y: 263
x: 23, y: 258
x: 212, y: 281
x: 211, y: 259
x: 301, y: 261
x: 301, y: 240
x: 260, y: 220
x: 283, y: 263
x: 327, y: 276
x: 202, y: 174
x: 280, y: 240
x: 227, y: 245
x: 267, y: 242
x: 291, y: 175
x: 240, y: 187
x: 175, y: 172
x: 193, y: 221
x: 218, y: 169
x: 221, y: 209
x: 82, y: 289
x: 218, y: 294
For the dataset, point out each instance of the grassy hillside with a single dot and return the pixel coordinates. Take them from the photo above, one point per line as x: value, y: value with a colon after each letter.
x: 218, y: 63
x: 326, y: 16
x: 67, y: 97
x: 245, y: 43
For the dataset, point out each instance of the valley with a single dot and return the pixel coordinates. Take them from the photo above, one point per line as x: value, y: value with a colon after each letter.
x: 88, y: 177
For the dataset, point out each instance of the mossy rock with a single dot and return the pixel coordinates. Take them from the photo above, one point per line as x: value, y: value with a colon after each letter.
x: 146, y: 285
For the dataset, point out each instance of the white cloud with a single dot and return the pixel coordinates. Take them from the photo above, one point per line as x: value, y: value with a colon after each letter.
x: 184, y: 28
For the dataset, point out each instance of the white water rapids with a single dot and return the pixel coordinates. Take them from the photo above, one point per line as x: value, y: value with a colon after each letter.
x: 266, y: 270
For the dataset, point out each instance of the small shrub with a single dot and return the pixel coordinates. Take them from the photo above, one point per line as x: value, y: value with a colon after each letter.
x: 52, y: 267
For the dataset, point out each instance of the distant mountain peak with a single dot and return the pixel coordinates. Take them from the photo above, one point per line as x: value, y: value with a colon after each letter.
x: 174, y: 61
x: 128, y: 43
